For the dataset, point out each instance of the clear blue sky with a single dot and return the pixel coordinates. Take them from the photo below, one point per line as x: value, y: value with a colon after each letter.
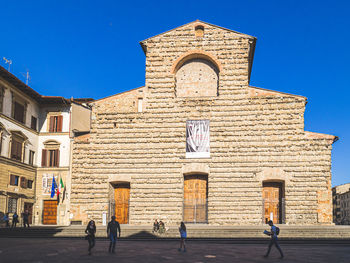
x: 91, y: 49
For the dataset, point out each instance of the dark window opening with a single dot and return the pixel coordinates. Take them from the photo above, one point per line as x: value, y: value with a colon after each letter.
x: 1, y: 98
x: 31, y: 157
x: 30, y: 184
x: 33, y: 123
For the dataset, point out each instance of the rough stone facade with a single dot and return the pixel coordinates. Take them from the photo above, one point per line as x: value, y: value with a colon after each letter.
x: 256, y: 135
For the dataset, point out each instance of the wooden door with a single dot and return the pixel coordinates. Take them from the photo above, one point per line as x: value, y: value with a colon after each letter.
x: 121, y: 197
x: 50, y: 212
x: 29, y: 207
x: 195, y: 199
x: 272, y: 202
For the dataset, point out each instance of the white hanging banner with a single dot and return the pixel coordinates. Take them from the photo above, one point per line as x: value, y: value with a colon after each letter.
x: 197, y: 139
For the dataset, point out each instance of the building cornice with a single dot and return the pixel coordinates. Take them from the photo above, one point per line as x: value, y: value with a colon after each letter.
x: 53, y: 169
x: 53, y: 133
x: 18, y: 164
x: 21, y: 125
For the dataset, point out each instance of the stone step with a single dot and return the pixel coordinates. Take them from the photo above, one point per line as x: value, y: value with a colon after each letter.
x: 193, y: 231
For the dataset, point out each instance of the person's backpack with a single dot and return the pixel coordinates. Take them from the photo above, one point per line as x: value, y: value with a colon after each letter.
x: 277, y: 230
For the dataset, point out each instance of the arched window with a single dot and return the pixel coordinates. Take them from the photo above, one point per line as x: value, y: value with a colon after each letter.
x: 199, y: 31
x: 197, y: 77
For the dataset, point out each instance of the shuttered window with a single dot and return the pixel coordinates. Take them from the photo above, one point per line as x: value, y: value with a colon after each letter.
x: 31, y: 157
x: 19, y: 112
x: 14, y: 180
x: 16, y: 150
x: 50, y: 158
x: 23, y: 182
x: 43, y: 158
x: 56, y: 123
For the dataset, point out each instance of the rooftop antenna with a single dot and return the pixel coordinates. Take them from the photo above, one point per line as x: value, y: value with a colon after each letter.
x: 27, y: 76
x: 8, y: 61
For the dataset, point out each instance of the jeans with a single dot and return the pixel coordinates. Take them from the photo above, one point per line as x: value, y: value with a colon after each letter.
x: 91, y: 241
x: 25, y: 222
x: 274, y: 241
x: 113, y: 239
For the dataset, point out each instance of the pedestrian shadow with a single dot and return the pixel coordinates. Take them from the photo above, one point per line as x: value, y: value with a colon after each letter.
x: 30, y: 232
x: 142, y: 235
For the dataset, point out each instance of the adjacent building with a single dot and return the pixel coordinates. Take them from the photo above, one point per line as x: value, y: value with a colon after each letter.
x: 341, y: 204
x: 198, y: 144
x: 36, y: 134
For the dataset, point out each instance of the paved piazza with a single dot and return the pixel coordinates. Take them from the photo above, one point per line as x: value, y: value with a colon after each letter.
x: 75, y: 250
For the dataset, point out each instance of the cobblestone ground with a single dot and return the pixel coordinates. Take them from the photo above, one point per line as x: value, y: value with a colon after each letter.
x: 75, y: 250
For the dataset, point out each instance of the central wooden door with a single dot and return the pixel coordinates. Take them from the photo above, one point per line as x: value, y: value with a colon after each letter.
x: 195, y: 198
x: 29, y: 207
x: 121, y: 197
x: 272, y: 195
x: 50, y: 212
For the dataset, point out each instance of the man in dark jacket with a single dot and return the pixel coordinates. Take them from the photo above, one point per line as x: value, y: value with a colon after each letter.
x: 14, y: 220
x: 26, y: 218
x: 112, y: 231
x: 274, y: 240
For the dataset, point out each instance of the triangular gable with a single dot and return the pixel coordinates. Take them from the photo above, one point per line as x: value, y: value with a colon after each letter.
x: 19, y: 134
x: 199, y: 22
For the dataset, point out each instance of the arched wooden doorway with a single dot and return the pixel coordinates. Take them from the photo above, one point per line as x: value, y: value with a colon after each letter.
x: 195, y: 199
x: 121, y: 199
x: 273, y: 202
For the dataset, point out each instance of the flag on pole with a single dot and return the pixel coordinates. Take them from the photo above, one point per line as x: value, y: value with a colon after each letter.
x: 61, y: 185
x: 53, y: 187
x: 59, y: 190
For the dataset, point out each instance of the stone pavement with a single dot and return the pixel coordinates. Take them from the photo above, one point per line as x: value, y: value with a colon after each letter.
x: 40, y: 250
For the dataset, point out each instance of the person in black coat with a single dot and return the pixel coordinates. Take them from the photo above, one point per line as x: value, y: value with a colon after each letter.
x: 91, y: 231
x: 112, y: 232
x: 14, y: 220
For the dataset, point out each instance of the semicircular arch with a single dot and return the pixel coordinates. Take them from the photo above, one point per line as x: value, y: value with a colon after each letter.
x: 193, y: 54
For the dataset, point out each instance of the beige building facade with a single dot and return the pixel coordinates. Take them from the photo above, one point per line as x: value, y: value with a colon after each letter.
x: 36, y: 133
x: 198, y: 144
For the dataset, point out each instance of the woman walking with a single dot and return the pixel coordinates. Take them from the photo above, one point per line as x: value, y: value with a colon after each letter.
x: 91, y: 231
x: 183, y: 235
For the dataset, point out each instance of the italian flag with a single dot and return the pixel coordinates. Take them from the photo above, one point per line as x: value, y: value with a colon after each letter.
x: 60, y: 187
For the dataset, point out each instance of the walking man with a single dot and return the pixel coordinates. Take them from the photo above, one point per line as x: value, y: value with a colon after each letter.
x: 274, y: 240
x: 26, y: 218
x: 112, y: 231
x: 14, y: 220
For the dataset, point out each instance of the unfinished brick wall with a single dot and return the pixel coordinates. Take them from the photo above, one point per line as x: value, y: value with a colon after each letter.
x: 255, y: 135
